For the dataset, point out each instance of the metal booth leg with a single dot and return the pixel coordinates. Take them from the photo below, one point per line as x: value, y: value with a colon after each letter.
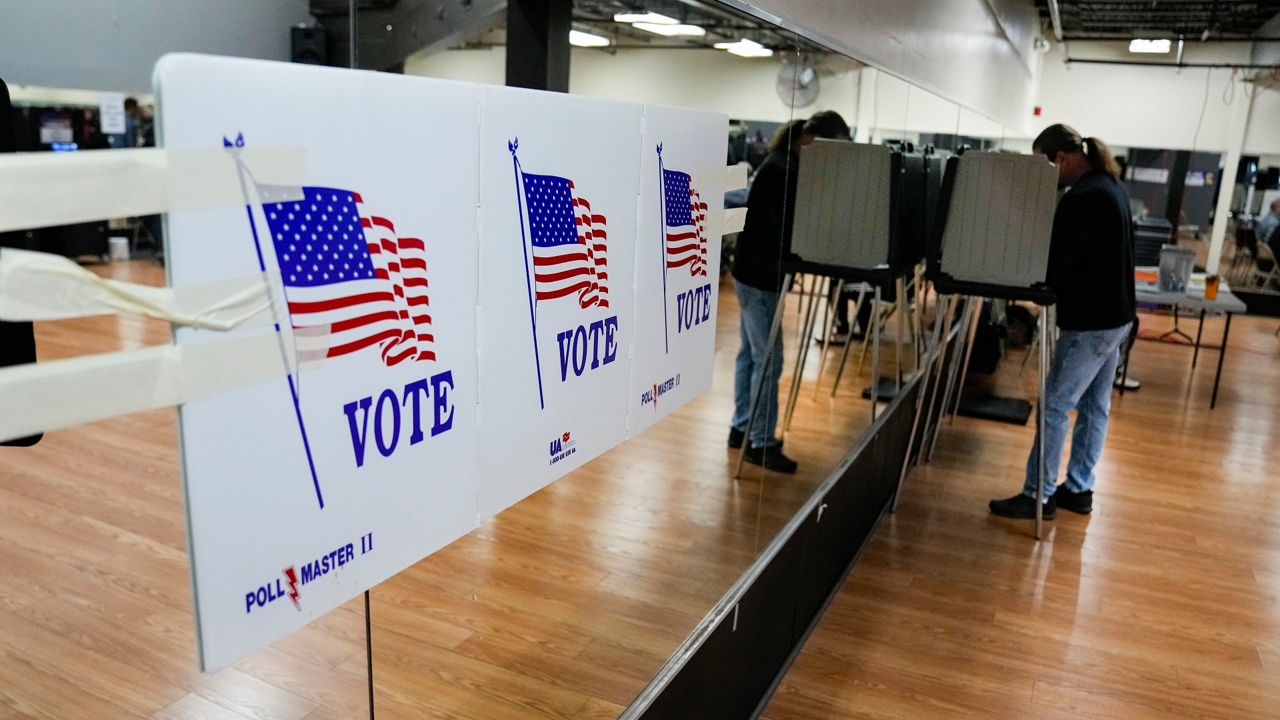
x: 844, y: 356
x: 805, y: 303
x: 946, y: 308
x: 925, y: 369
x: 758, y: 392
x: 875, y: 357
x: 1044, y: 372
x: 953, y: 369
x: 802, y: 354
x: 970, y: 337
x: 835, y: 288
x: 902, y: 334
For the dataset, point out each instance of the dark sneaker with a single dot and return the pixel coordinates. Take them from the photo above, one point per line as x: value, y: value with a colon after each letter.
x: 771, y: 458
x: 736, y: 437
x: 1081, y: 502
x: 1023, y: 507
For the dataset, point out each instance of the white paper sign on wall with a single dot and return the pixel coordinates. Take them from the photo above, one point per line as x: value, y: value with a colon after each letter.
x: 111, y: 113
x: 303, y: 493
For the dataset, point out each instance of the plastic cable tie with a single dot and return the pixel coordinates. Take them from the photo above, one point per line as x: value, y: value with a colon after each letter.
x: 734, y: 220
x: 735, y: 176
x: 41, y: 286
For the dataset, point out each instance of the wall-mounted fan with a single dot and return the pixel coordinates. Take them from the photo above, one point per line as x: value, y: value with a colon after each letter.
x: 797, y: 84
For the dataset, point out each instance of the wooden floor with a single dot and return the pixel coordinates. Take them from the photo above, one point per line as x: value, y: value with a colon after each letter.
x: 562, y: 607
x: 1163, y: 604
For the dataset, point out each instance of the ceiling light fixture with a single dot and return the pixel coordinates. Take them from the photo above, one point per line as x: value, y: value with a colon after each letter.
x: 645, y: 17
x: 586, y: 39
x: 670, y: 30
x: 745, y: 48
x: 1155, y: 47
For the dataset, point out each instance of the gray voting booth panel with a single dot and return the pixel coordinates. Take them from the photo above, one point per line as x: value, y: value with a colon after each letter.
x: 1000, y: 219
x: 843, y: 202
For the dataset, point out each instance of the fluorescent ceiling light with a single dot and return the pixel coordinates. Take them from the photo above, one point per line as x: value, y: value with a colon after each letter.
x: 586, y: 39
x: 670, y: 30
x: 645, y: 17
x: 745, y: 48
x: 1158, y: 47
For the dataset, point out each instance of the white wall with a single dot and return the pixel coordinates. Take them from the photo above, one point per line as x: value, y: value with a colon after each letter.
x: 1155, y: 107
x: 113, y: 44
x: 700, y: 79
x: 704, y: 80
x: 40, y: 95
x: 741, y: 88
x: 895, y: 108
x: 977, y: 53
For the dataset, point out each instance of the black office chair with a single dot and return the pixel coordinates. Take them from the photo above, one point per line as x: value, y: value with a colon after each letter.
x: 1149, y: 234
x: 1246, y: 254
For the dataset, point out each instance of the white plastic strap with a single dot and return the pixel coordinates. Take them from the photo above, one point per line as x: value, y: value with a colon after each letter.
x: 734, y: 220
x: 735, y: 176
x: 42, y: 189
x: 40, y: 286
x: 49, y: 395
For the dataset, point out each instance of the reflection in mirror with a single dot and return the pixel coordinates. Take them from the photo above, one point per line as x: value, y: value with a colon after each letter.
x: 568, y: 603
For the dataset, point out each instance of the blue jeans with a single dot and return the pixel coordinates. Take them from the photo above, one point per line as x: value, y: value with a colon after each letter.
x: 755, y: 317
x: 1083, y: 372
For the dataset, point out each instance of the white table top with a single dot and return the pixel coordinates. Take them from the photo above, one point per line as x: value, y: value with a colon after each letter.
x: 1194, y: 299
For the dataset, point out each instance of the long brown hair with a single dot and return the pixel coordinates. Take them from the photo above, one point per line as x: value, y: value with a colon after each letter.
x: 1064, y: 138
x: 785, y: 136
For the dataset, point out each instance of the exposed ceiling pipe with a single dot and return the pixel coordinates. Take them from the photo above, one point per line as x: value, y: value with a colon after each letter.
x: 1056, y: 17
x: 1241, y: 66
x: 1129, y: 36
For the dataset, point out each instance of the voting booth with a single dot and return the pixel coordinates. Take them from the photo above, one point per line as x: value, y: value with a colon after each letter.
x: 990, y: 239
x: 862, y: 214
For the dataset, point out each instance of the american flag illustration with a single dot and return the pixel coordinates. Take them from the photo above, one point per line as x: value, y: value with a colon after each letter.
x: 685, y: 220
x: 351, y: 281
x: 569, y: 242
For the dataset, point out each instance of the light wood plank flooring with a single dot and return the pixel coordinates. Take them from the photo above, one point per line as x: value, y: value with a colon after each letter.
x: 562, y: 607
x: 1164, y: 603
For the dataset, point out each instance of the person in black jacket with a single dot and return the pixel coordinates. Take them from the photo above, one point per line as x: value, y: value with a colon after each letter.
x: 17, y: 339
x: 757, y: 277
x: 1091, y: 273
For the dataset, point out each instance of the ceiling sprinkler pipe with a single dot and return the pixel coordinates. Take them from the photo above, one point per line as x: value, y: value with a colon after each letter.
x: 1056, y: 17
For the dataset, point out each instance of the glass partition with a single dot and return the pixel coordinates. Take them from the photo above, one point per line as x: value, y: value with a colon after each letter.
x: 567, y: 603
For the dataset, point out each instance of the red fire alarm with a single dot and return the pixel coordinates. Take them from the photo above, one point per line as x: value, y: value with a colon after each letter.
x: 1036, y: 112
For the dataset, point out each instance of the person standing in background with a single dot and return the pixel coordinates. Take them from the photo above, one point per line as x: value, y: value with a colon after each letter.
x: 131, y: 114
x: 757, y: 278
x: 1091, y: 273
x: 1268, y: 224
x: 17, y: 339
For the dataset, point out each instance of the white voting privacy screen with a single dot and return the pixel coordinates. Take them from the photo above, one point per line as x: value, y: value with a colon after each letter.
x: 456, y: 285
x: 677, y: 261
x: 842, y: 204
x: 304, y: 492
x: 557, y: 258
x: 1000, y: 219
